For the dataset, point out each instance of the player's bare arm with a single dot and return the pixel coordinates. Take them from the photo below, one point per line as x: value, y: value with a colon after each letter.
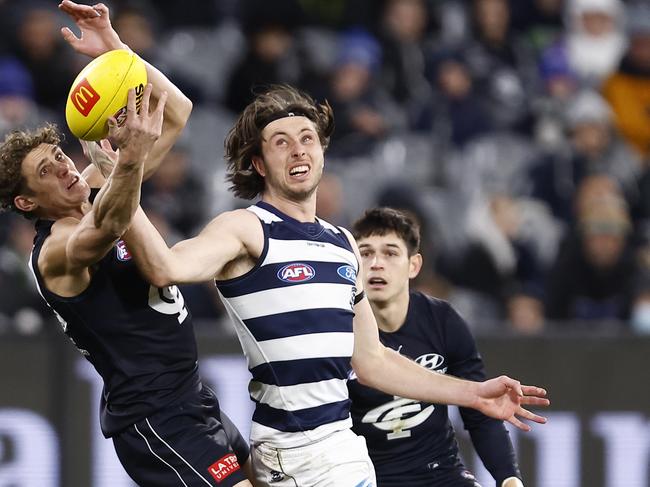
x: 227, y: 247
x: 382, y: 368
x: 97, y: 36
x: 74, y: 245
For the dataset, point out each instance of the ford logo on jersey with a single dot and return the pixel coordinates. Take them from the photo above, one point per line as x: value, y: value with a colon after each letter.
x: 348, y: 273
x: 296, y: 273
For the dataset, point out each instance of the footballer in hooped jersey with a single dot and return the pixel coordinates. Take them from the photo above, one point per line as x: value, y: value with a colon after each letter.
x: 298, y: 327
x: 412, y: 442
x: 166, y: 426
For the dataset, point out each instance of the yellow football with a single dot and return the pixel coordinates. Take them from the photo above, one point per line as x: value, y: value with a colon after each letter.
x: 100, y: 91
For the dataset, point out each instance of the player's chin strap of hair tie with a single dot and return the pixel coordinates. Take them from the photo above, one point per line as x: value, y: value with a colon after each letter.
x: 287, y: 112
x: 359, y: 297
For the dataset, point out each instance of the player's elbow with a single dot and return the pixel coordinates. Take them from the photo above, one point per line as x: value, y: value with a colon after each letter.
x: 186, y: 109
x: 181, y: 113
x: 365, y: 368
x: 159, y: 278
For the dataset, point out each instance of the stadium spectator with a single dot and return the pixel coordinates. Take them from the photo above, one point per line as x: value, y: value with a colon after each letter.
x: 628, y: 89
x: 405, y: 37
x: 176, y: 193
x: 503, y: 67
x: 594, y: 278
x: 594, y: 147
x: 365, y: 112
x: 271, y: 56
x: 17, y: 105
x: 594, y: 39
x: 461, y: 113
x: 39, y: 46
x: 22, y: 309
x: 538, y: 22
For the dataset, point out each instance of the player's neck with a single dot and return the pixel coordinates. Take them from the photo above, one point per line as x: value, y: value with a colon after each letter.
x: 391, y: 314
x: 303, y: 211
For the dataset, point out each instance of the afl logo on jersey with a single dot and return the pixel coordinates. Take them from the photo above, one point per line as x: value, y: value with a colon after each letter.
x: 348, y: 273
x: 122, y: 252
x: 296, y: 273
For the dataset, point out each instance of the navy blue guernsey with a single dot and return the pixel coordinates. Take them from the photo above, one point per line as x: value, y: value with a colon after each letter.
x: 411, y: 442
x: 139, y: 338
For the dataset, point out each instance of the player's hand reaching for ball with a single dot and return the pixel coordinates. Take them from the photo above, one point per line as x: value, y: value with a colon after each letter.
x: 137, y: 135
x: 97, y: 33
x: 503, y: 397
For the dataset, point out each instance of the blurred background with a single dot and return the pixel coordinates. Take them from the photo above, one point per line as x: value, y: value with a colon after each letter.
x: 518, y: 133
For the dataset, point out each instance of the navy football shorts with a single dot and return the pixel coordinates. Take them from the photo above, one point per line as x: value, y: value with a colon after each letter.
x: 189, y: 443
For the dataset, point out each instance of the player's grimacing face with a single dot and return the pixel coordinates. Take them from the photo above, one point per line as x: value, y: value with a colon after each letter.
x: 53, y: 179
x: 386, y: 266
x: 293, y: 156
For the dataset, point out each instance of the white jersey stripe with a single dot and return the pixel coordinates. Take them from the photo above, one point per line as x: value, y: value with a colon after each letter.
x: 300, y: 396
x: 264, y: 215
x: 329, y: 226
x: 314, y: 345
x: 287, y: 250
x: 291, y: 298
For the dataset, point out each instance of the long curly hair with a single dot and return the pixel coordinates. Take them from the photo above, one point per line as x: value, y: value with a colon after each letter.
x: 244, y: 141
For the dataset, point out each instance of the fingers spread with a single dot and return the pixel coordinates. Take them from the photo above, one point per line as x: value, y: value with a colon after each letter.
x: 160, y: 108
x: 130, y: 105
x: 524, y: 413
x: 145, y: 99
x: 522, y: 426
x: 535, y: 401
x: 533, y: 391
x: 69, y: 36
x: 77, y: 11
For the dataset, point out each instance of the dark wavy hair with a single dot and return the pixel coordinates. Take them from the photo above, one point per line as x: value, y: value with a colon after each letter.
x: 384, y: 220
x: 14, y: 149
x: 245, y: 138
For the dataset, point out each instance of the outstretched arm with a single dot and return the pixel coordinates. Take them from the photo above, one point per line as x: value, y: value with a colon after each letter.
x: 97, y: 37
x: 202, y: 258
x: 382, y: 368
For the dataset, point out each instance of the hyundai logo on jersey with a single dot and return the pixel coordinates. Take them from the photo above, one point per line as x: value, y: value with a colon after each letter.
x: 296, y: 273
x: 122, y: 252
x: 348, y: 273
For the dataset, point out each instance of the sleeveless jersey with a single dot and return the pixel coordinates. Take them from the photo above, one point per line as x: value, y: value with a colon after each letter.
x: 293, y: 315
x: 411, y: 442
x: 139, y: 338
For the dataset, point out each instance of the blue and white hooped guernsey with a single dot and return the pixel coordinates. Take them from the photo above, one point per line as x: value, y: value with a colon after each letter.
x: 293, y: 315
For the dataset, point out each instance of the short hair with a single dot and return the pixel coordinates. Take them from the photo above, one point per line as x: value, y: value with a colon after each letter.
x: 382, y: 221
x: 14, y: 149
x: 245, y: 138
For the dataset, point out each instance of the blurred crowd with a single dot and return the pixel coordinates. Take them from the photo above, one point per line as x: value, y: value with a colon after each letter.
x: 517, y: 132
